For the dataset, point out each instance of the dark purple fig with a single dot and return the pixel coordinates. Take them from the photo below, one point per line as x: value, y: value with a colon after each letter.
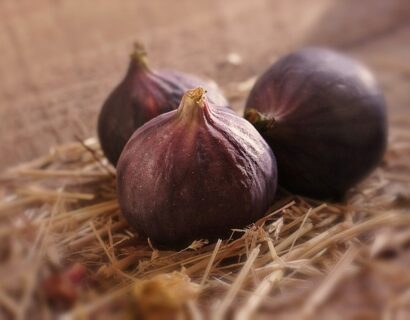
x: 324, y: 117
x: 142, y: 95
x: 195, y: 173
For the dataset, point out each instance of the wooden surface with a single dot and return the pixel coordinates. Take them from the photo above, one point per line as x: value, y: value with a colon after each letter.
x: 59, y: 59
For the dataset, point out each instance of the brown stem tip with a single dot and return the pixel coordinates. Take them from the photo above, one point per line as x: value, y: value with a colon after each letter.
x: 260, y: 121
x: 139, y: 54
x: 192, y: 99
x: 197, y: 95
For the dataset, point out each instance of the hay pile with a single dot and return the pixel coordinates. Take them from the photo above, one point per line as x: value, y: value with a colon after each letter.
x: 66, y: 251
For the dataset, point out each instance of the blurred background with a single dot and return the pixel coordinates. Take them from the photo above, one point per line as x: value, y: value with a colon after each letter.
x: 60, y: 58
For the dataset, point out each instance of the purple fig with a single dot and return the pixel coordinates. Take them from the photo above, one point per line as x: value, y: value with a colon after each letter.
x: 142, y: 95
x: 324, y: 117
x: 195, y: 173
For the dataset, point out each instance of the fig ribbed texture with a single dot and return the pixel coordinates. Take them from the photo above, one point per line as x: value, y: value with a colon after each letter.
x: 142, y: 95
x: 195, y: 173
x: 325, y: 119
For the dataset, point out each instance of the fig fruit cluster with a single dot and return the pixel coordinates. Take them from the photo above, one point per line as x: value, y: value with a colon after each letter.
x: 189, y: 168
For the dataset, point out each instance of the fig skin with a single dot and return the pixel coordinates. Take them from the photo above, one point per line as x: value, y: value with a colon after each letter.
x: 325, y: 118
x: 195, y: 173
x: 142, y: 95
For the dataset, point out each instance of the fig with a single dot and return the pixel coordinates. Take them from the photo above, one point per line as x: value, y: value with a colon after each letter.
x: 195, y: 173
x: 142, y: 95
x: 324, y: 116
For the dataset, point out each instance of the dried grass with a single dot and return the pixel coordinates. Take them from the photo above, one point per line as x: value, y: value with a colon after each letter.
x: 61, y: 209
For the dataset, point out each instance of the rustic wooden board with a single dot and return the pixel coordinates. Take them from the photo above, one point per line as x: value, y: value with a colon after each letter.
x: 59, y: 59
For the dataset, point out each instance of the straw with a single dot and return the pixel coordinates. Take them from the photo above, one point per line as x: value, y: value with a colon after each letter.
x: 45, y: 229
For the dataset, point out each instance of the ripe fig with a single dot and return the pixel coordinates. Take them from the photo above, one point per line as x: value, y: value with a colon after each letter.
x: 195, y: 173
x: 324, y: 116
x: 142, y: 95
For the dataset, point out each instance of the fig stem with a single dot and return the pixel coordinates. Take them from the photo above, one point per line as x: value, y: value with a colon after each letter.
x: 139, y: 55
x: 259, y: 120
x: 192, y: 99
x: 197, y: 95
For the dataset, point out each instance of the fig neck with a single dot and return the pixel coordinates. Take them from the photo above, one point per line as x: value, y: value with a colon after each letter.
x: 260, y: 121
x: 192, y: 106
x: 139, y: 59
